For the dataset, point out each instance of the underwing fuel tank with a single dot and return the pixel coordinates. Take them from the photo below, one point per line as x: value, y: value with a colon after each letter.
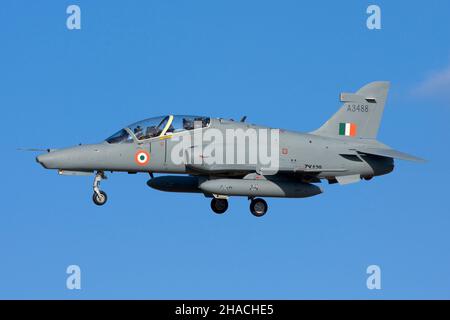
x: 260, y: 188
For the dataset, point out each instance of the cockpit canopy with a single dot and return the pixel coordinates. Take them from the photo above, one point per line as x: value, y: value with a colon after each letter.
x: 158, y: 126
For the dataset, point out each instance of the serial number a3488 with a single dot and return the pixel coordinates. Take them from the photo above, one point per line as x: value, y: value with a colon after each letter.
x: 358, y: 108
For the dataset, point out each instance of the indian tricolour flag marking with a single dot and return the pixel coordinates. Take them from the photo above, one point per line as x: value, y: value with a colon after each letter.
x: 347, y: 129
x: 142, y: 157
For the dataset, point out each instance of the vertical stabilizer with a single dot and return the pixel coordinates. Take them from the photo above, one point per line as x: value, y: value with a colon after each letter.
x: 360, y: 116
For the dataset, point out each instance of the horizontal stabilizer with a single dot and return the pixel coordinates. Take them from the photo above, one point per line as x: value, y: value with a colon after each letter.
x: 389, y: 153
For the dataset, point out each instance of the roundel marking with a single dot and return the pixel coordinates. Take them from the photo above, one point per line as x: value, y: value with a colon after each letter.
x: 142, y: 157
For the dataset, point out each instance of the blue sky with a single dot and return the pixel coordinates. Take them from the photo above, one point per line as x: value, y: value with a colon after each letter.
x: 281, y: 63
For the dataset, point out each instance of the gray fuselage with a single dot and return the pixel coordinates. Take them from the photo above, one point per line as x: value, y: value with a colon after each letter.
x: 298, y: 154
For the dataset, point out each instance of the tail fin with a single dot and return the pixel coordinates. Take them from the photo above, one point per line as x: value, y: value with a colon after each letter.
x: 361, y: 114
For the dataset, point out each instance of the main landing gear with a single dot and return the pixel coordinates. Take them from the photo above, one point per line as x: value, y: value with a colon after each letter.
x: 99, y: 197
x: 219, y: 205
x: 258, y: 207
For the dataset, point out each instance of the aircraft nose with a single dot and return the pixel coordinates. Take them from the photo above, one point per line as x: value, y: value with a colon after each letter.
x: 45, y: 160
x: 75, y: 158
x: 56, y: 159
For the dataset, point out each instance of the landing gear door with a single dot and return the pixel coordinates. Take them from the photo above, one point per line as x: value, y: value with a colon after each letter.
x: 158, y: 154
x: 194, y: 150
x: 177, y: 151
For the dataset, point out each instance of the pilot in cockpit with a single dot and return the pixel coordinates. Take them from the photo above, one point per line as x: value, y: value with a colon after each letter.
x: 188, y: 124
x: 138, y: 132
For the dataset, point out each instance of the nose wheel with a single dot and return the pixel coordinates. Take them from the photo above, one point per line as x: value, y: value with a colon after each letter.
x: 258, y: 207
x: 99, y: 197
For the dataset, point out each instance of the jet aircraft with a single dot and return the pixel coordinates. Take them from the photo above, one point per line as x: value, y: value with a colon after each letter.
x: 343, y: 150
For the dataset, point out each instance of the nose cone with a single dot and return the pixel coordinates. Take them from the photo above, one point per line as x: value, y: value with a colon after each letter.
x: 51, y: 160
x: 40, y: 159
x: 68, y: 158
x: 79, y: 158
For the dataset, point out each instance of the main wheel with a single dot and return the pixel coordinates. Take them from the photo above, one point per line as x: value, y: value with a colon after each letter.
x: 219, y: 206
x: 258, y: 207
x: 100, y: 199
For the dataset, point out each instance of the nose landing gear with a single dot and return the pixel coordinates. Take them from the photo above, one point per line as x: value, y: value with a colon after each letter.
x: 99, y: 197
